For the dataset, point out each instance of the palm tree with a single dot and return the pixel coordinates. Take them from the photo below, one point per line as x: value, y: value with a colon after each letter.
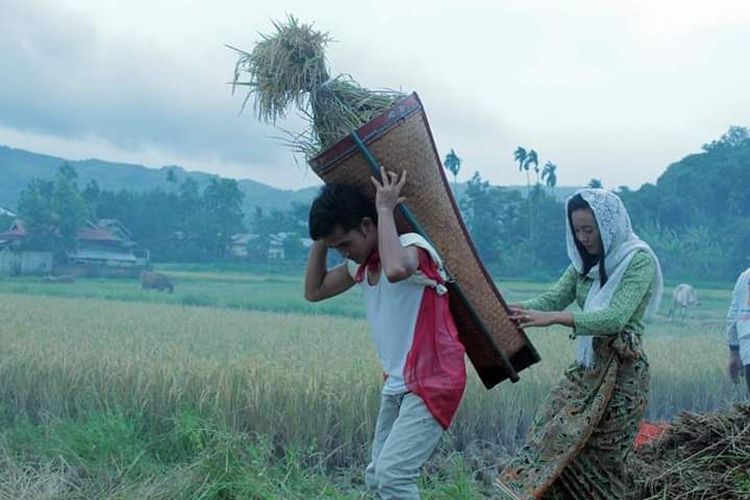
x: 520, y: 155
x: 532, y: 157
x: 525, y: 159
x: 453, y: 164
x: 549, y: 173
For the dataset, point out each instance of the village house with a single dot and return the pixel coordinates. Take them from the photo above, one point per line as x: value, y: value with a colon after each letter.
x: 268, y: 247
x: 103, y: 248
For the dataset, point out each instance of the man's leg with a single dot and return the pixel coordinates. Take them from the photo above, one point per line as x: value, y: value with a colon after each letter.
x: 389, y: 409
x: 412, y: 439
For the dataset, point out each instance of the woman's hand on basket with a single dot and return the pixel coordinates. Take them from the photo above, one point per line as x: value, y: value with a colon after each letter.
x: 529, y: 317
x: 525, y: 318
x: 388, y: 190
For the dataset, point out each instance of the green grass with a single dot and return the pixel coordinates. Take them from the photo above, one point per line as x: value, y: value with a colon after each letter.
x: 231, y: 290
x: 116, y: 392
x: 234, y: 288
x: 113, y: 455
x: 116, y: 456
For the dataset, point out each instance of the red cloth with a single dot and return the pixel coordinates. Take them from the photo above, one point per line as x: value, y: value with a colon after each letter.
x: 372, y: 264
x: 435, y: 369
x: 650, y: 431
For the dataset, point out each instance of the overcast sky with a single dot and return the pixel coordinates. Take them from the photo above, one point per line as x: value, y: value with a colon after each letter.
x: 614, y: 90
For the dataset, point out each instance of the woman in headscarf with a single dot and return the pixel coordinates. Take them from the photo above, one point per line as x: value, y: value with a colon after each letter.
x: 579, y: 441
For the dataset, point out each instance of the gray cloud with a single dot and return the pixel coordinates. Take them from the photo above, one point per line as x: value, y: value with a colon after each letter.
x: 63, y: 77
x: 607, y: 90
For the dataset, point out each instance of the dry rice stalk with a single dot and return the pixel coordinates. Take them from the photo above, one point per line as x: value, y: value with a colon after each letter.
x: 700, y: 456
x: 288, y: 68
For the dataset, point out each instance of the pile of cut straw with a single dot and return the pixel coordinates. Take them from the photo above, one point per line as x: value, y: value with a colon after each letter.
x: 288, y: 68
x: 701, y: 456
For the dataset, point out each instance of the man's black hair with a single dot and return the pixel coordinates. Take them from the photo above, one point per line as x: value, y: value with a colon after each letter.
x: 339, y: 205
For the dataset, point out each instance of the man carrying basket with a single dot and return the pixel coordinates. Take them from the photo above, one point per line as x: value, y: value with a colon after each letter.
x: 406, y: 305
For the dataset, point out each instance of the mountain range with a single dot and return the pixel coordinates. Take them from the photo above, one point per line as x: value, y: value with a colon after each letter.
x: 18, y: 167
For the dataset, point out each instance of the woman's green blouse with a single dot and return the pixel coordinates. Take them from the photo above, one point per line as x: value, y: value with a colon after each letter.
x: 626, y: 308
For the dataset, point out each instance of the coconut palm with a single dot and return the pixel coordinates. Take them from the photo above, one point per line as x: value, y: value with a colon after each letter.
x: 525, y: 159
x: 532, y: 157
x: 520, y: 155
x: 453, y: 164
x: 548, y: 174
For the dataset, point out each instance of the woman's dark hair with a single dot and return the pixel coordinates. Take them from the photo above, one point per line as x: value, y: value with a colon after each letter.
x: 339, y: 205
x: 578, y: 203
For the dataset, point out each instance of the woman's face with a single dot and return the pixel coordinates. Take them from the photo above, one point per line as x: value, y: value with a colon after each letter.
x: 586, y: 231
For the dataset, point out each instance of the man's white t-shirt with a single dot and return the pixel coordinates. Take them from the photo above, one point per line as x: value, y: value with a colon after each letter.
x: 392, y: 310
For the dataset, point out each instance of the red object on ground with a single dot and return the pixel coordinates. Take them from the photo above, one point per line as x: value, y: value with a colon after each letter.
x: 650, y: 431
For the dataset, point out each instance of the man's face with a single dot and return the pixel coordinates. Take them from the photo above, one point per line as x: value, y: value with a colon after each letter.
x: 355, y: 244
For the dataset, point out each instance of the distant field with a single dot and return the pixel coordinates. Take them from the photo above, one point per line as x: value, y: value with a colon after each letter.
x: 110, y: 390
x: 232, y: 290
x: 277, y: 292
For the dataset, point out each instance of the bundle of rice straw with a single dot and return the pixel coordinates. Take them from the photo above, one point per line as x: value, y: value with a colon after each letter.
x: 700, y: 456
x: 288, y: 68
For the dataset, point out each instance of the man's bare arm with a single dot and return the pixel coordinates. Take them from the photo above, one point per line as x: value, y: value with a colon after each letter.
x: 320, y: 282
x: 398, y: 262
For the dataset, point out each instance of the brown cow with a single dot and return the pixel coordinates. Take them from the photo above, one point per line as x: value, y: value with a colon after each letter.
x: 151, y: 279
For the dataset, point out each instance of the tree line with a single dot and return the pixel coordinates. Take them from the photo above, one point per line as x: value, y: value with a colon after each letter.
x: 696, y: 216
x: 182, y: 223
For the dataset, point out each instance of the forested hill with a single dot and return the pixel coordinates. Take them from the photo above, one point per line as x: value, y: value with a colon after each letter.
x: 698, y: 211
x: 18, y: 167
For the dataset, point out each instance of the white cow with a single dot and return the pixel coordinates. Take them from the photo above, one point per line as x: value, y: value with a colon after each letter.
x: 685, y: 298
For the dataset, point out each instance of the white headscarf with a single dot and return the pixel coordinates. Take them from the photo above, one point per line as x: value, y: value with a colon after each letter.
x: 620, y: 244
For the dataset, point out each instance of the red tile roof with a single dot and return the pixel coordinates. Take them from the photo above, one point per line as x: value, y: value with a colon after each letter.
x: 88, y: 233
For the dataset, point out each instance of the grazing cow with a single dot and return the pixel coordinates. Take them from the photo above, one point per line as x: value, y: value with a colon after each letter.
x: 685, y: 298
x: 150, y: 279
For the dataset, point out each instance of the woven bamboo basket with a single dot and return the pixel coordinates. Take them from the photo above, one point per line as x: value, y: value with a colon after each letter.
x: 400, y: 139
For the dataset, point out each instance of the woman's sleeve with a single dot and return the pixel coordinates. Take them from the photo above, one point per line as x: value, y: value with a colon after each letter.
x: 629, y: 294
x: 557, y: 298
